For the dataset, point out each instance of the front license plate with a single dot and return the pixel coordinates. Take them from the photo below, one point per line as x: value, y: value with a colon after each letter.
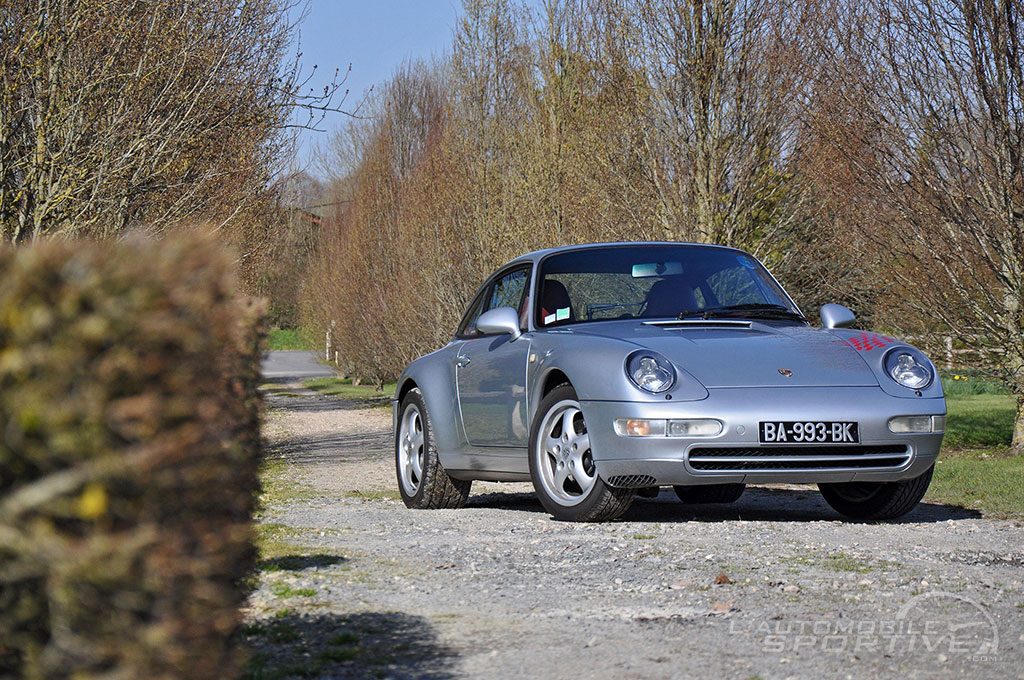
x: 807, y: 432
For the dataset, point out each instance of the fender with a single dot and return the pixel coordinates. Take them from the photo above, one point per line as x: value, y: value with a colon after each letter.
x: 434, y: 375
x: 599, y: 372
x: 872, y: 348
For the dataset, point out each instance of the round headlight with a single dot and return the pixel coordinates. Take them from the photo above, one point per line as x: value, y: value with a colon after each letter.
x: 909, y: 368
x: 650, y: 371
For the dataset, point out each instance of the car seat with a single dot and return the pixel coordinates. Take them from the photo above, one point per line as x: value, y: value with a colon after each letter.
x: 553, y: 297
x: 669, y: 297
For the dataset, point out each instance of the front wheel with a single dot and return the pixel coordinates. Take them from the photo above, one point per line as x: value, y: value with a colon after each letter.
x: 876, y: 500
x: 562, y: 464
x: 422, y: 480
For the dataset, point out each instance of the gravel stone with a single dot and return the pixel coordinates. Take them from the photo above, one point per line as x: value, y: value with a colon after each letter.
x: 498, y: 589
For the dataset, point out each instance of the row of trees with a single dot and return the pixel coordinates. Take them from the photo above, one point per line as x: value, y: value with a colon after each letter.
x: 127, y: 115
x: 869, y: 152
x: 588, y: 120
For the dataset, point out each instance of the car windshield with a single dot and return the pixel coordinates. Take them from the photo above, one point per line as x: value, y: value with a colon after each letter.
x: 657, y: 282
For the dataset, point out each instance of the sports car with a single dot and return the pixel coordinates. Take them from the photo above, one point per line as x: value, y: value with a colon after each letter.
x: 601, y: 371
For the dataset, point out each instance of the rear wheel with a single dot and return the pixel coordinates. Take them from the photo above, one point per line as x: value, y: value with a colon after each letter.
x: 710, y: 493
x: 562, y: 464
x: 422, y: 480
x: 876, y: 500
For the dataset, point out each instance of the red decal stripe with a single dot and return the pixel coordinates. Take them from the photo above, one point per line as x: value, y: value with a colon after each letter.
x: 865, y: 342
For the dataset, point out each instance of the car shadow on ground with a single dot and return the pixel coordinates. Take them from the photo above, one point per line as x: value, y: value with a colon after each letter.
x: 332, y: 448
x: 288, y: 399
x: 299, y: 562
x: 757, y: 503
x: 363, y: 645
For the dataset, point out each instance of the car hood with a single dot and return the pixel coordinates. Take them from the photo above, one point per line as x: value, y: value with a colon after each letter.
x: 754, y: 355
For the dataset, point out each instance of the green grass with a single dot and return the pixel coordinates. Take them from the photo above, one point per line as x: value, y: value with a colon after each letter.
x: 272, y: 541
x: 838, y: 562
x: 344, y: 389
x: 960, y: 383
x: 288, y: 338
x: 979, y: 420
x: 977, y: 469
x: 988, y: 480
x: 295, y: 654
x: 278, y: 487
x: 345, y: 638
x: 283, y: 590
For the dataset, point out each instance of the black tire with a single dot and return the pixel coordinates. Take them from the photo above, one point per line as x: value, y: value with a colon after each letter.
x: 432, y: 488
x: 600, y: 502
x: 710, y: 493
x: 876, y: 500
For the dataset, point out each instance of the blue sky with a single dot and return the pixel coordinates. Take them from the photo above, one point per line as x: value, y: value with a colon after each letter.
x: 375, y: 37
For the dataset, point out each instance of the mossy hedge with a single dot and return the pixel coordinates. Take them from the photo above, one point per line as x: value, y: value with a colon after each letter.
x: 129, y: 448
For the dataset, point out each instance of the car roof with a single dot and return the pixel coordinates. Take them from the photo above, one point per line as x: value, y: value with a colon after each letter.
x: 537, y: 255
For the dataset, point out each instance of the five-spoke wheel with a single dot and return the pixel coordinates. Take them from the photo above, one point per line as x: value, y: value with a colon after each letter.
x: 410, y: 450
x: 562, y: 464
x: 422, y: 480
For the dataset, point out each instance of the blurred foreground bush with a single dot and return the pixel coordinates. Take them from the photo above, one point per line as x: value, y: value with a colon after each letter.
x: 129, y: 445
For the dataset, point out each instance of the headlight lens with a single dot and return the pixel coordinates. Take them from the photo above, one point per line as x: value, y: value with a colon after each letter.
x: 909, y: 368
x: 650, y: 371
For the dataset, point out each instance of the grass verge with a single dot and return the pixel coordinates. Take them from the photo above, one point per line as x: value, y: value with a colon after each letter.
x: 977, y: 469
x: 288, y: 338
x: 988, y: 480
x: 344, y: 389
x: 979, y: 420
x: 277, y: 485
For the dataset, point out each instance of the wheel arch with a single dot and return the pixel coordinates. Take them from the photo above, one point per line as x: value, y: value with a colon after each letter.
x: 432, y: 375
x: 404, y: 387
x: 553, y: 379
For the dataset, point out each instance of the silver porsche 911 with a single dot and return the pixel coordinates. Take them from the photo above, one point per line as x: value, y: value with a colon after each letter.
x: 602, y: 370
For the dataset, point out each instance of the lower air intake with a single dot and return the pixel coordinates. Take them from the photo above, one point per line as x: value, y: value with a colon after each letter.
x: 798, y: 458
x: 631, y: 481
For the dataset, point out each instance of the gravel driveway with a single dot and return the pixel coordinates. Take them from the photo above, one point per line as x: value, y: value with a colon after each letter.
x: 773, y: 586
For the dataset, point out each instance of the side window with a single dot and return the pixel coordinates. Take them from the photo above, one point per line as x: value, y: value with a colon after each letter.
x: 507, y: 291
x: 468, y: 326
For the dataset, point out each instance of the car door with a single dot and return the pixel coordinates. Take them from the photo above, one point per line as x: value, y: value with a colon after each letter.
x: 490, y: 370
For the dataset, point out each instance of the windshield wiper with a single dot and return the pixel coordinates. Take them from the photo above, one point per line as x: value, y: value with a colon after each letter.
x: 756, y: 310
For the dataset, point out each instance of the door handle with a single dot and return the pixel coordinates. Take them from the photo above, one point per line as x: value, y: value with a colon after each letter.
x: 462, y: 361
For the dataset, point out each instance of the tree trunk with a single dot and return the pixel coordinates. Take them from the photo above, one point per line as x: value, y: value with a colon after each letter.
x: 1018, y: 424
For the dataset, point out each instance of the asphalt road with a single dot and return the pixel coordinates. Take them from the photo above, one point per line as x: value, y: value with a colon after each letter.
x: 294, y: 365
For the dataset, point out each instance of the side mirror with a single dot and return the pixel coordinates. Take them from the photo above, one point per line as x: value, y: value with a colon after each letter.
x: 836, y: 316
x: 498, y: 321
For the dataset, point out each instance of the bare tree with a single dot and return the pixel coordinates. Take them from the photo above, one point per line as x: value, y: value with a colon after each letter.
x: 727, y: 76
x: 567, y: 122
x: 938, y: 86
x: 141, y: 112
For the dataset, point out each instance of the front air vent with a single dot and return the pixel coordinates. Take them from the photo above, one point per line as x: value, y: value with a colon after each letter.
x: 631, y: 481
x: 798, y: 458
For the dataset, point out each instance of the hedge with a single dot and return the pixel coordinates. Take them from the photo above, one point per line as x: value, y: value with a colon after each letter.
x: 129, y: 448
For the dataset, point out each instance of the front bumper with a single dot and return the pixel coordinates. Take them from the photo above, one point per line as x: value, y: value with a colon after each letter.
x: 650, y: 461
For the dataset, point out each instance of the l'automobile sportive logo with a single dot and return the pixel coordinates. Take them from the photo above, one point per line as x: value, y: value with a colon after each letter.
x: 939, y: 626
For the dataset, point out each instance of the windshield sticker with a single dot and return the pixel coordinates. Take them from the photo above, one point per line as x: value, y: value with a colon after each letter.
x: 550, y: 318
x: 746, y: 261
x: 561, y: 313
x: 865, y: 342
